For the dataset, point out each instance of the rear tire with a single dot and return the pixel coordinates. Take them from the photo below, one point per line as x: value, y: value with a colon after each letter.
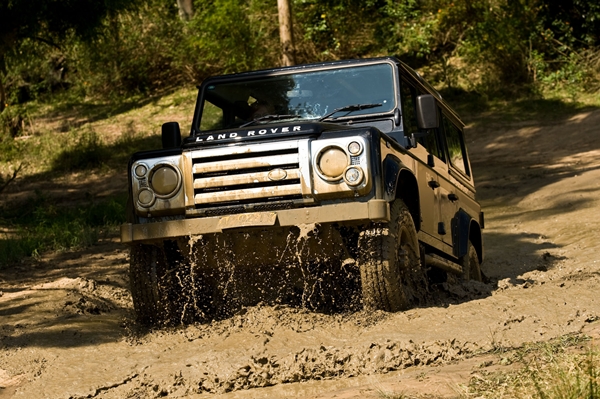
x: 388, y: 254
x: 470, y: 264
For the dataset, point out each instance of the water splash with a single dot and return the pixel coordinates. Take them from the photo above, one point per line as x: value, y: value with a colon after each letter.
x: 219, y: 274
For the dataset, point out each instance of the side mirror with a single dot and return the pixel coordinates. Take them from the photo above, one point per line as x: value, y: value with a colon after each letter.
x: 171, y: 135
x: 427, y: 115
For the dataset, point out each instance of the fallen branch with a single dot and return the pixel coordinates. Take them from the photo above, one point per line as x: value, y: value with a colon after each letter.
x: 14, y: 176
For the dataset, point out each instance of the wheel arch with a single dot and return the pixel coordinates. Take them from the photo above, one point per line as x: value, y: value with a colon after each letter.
x: 408, y: 191
x: 401, y: 183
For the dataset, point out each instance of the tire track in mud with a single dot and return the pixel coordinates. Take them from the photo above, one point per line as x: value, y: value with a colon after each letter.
x: 272, y: 345
x: 331, y: 362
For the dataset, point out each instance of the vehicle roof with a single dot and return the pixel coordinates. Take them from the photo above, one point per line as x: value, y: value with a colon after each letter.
x: 301, y: 67
x: 402, y: 66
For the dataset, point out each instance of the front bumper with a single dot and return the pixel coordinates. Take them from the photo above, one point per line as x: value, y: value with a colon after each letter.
x: 374, y: 210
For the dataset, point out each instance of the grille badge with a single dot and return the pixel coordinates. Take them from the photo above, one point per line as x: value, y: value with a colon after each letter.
x: 277, y: 174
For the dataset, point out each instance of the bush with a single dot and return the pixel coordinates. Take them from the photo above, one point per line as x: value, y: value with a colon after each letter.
x: 491, y: 46
x: 87, y: 152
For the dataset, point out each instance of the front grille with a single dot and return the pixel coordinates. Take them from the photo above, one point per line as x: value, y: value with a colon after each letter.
x: 243, y: 175
x: 274, y: 206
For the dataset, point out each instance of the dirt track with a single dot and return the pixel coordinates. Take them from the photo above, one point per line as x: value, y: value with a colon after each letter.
x: 67, y: 329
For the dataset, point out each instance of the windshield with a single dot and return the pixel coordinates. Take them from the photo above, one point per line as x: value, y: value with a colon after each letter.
x: 306, y: 95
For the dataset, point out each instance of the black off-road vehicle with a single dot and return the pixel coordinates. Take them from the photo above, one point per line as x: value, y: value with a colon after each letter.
x: 299, y: 182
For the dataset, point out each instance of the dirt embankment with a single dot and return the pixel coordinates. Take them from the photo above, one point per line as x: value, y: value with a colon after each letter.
x: 67, y: 329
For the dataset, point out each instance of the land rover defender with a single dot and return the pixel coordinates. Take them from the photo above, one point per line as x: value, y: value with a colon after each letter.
x: 303, y: 181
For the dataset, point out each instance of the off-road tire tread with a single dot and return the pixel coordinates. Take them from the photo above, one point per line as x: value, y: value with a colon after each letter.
x: 147, y: 266
x: 381, y: 263
x: 470, y: 264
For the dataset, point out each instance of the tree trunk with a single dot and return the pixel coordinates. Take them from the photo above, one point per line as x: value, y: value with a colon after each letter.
x: 2, y: 95
x: 186, y: 9
x: 286, y: 35
x: 3, y: 98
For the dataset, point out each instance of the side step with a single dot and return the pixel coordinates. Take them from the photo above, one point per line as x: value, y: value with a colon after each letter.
x: 444, y: 264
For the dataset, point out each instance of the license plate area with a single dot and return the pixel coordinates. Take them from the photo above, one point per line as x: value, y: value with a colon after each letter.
x: 247, y: 220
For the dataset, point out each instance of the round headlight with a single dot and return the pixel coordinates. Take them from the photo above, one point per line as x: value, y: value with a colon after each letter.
x: 353, y: 176
x: 165, y: 180
x: 332, y: 162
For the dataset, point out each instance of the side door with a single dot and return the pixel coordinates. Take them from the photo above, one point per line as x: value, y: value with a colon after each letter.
x: 430, y: 153
x: 453, y: 183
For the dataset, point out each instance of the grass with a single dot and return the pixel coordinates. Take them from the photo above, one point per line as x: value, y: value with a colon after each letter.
x: 391, y: 395
x: 479, y: 109
x: 565, y: 368
x: 30, y: 230
x: 65, y: 140
x: 68, y: 136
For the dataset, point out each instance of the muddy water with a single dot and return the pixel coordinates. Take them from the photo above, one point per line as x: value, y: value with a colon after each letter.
x: 305, y: 266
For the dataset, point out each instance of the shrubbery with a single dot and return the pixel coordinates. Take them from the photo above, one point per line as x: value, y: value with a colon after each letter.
x: 490, y: 46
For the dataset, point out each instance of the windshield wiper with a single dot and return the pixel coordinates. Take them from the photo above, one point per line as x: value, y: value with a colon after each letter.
x: 273, y: 117
x: 349, y: 108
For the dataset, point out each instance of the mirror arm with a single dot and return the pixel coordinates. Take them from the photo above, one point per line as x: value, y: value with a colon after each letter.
x: 412, y: 139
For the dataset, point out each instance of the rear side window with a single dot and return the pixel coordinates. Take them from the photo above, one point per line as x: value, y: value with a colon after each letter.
x: 456, y: 146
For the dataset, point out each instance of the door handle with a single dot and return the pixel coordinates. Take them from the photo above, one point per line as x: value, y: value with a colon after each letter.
x: 433, y: 184
x: 453, y: 197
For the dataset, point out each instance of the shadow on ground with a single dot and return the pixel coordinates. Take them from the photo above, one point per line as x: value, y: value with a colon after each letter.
x: 66, y: 299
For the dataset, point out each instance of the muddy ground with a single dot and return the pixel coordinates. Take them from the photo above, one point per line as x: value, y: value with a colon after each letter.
x: 67, y: 328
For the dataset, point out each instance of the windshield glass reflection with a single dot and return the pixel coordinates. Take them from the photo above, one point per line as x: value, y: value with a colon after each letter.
x: 306, y: 95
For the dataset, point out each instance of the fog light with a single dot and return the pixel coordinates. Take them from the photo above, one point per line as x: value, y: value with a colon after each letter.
x: 140, y: 170
x: 165, y: 180
x: 354, y: 148
x: 146, y: 197
x: 332, y: 162
x: 353, y: 176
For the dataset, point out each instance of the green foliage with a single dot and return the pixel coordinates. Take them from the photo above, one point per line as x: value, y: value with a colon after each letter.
x: 41, y: 225
x: 490, y: 46
x: 136, y: 51
x: 21, y: 19
x: 524, y: 43
x: 34, y: 68
x: 49, y: 22
x: 232, y: 36
x: 349, y: 28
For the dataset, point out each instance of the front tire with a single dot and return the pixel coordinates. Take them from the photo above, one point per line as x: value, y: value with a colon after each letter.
x: 388, y: 255
x: 147, y: 272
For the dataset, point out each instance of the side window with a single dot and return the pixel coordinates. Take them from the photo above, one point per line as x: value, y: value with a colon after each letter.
x: 456, y: 146
x: 431, y: 140
x: 409, y: 114
x: 212, y: 117
x: 433, y: 144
